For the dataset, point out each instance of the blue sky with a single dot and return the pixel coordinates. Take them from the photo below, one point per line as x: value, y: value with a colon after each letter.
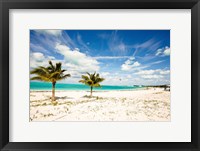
x: 122, y: 57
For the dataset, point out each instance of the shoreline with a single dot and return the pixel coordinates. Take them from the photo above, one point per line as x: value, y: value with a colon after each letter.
x: 136, y: 89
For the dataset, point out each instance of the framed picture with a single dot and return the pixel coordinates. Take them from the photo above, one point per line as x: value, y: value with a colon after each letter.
x: 99, y: 75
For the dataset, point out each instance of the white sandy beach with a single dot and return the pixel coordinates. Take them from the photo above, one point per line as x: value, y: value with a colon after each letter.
x: 136, y: 105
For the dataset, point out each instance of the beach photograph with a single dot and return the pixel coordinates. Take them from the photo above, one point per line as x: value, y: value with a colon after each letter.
x: 99, y: 75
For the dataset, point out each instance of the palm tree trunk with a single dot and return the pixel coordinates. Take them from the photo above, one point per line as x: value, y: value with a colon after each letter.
x: 91, y: 91
x: 53, y: 91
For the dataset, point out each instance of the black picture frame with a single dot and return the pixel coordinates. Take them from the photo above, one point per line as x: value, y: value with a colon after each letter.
x: 5, y: 5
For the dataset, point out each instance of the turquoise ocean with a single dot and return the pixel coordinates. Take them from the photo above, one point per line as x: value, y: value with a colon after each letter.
x: 64, y: 86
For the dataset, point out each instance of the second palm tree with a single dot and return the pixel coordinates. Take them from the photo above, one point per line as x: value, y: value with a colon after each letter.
x: 91, y: 80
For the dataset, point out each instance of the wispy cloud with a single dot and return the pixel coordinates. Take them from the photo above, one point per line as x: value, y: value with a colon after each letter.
x: 156, y: 76
x: 132, y: 65
x: 152, y: 76
x: 165, y: 51
x: 151, y: 72
x: 44, y: 43
x: 112, y: 57
x: 39, y: 59
x: 145, y: 45
x: 115, y: 42
x: 76, y: 60
x: 54, y: 32
x: 159, y: 52
x: 129, y: 64
x: 68, y: 40
x: 157, y: 62
x: 148, y: 46
x: 82, y: 43
x: 37, y: 48
x: 116, y: 54
x: 104, y: 36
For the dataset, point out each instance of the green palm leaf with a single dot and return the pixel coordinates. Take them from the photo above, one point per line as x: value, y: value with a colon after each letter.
x: 91, y: 80
x: 50, y: 74
x: 64, y: 77
x: 52, y: 66
x: 40, y: 78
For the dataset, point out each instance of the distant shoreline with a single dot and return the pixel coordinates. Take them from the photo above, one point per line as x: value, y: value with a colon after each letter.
x: 136, y: 89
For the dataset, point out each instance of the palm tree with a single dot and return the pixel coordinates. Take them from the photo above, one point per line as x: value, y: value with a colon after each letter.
x: 91, y: 80
x: 50, y: 74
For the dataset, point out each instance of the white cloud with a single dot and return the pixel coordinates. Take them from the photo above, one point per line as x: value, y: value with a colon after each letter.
x: 159, y: 51
x: 129, y: 64
x: 77, y: 49
x: 122, y: 47
x: 39, y: 59
x: 152, y: 76
x: 157, y: 62
x: 115, y: 43
x: 150, y: 72
x: 67, y: 40
x: 53, y: 32
x: 81, y: 42
x: 51, y: 58
x: 104, y: 74
x: 163, y: 51
x: 165, y: 72
x: 38, y: 48
x: 76, y: 60
x: 149, y: 46
x: 144, y: 72
x: 136, y: 64
x: 38, y: 56
x: 125, y: 67
x: 111, y: 57
x: 145, y: 77
x: 166, y: 52
x: 129, y: 76
x: 113, y: 80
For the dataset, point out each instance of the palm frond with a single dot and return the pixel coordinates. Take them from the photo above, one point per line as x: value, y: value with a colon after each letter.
x: 41, y: 78
x: 50, y: 73
x: 63, y: 77
x: 98, y: 80
x: 49, y: 68
x: 85, y: 77
x: 66, y: 76
x: 89, y: 82
x: 96, y: 85
x: 44, y: 69
x: 58, y: 66
x: 54, y: 75
x: 88, y: 73
x: 63, y: 71
x: 39, y: 71
x: 91, y: 79
x: 82, y: 81
x: 52, y: 66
